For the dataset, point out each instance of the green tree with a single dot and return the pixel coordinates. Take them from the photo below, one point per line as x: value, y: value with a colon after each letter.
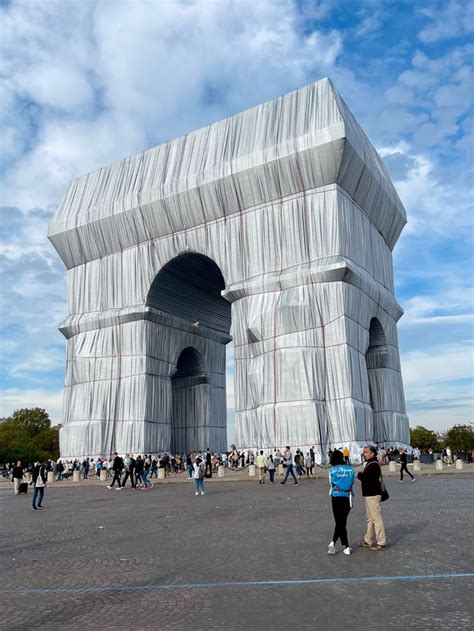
x: 460, y: 438
x: 33, y: 420
x: 27, y: 435
x: 423, y: 438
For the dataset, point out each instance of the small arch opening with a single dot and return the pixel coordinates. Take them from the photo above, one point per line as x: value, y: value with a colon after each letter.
x: 376, y: 355
x: 189, y: 364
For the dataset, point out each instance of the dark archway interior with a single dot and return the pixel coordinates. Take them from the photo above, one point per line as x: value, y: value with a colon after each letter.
x: 190, y: 287
x: 376, y: 355
x: 189, y: 364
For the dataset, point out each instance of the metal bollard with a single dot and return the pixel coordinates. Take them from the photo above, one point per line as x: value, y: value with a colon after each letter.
x: 392, y: 465
x: 416, y: 465
x: 459, y: 463
x: 252, y: 471
x: 439, y: 465
x: 76, y: 476
x: 50, y: 477
x: 221, y: 471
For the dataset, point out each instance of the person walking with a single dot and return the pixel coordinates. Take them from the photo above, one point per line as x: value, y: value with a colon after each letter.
x: 341, y: 479
x: 198, y: 475
x: 403, y: 465
x: 261, y: 466
x: 309, y: 465
x: 370, y: 478
x: 288, y: 460
x: 127, y: 463
x: 271, y: 468
x: 146, y: 468
x: 17, y: 476
x: 117, y: 467
x: 40, y: 476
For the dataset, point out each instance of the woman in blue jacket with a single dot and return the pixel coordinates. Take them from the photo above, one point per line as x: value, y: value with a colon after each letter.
x: 341, y: 478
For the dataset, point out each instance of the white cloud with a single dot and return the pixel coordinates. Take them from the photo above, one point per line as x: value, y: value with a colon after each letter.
x: 449, y: 20
x: 439, y: 364
x: 113, y: 78
x: 12, y: 398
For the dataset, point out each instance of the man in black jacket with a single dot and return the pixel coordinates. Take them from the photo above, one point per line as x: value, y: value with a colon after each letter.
x: 372, y: 492
x: 117, y: 466
x: 403, y: 465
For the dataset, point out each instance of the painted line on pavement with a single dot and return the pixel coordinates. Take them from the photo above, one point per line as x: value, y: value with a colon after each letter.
x: 233, y: 584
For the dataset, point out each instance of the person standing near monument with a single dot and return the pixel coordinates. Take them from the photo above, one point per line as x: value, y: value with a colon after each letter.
x: 370, y: 478
x: 346, y: 453
x: 17, y: 475
x: 198, y: 475
x: 40, y: 476
x: 341, y: 479
x: 288, y: 460
x: 208, y: 473
x: 261, y: 464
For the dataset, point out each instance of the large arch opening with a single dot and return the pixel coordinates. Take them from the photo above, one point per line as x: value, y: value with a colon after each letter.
x: 189, y: 288
x: 376, y: 360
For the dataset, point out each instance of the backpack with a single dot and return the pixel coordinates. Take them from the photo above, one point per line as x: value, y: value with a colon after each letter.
x: 201, y: 471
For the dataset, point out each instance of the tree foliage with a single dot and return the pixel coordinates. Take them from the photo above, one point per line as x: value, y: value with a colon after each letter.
x: 424, y: 438
x: 460, y: 438
x: 27, y: 435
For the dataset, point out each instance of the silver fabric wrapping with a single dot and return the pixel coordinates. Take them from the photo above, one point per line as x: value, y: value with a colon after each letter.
x: 294, y: 207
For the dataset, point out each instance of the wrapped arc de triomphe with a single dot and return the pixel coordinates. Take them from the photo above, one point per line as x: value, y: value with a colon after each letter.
x: 281, y: 220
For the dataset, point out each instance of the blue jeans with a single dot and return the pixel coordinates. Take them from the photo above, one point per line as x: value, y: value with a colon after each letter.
x: 145, y: 477
x: 38, y: 492
x: 199, y: 485
x: 289, y: 469
x: 190, y: 471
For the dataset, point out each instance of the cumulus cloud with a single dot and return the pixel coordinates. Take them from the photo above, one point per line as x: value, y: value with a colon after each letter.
x: 447, y: 20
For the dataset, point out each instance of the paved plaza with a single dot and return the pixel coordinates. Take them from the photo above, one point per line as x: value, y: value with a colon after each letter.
x: 243, y: 556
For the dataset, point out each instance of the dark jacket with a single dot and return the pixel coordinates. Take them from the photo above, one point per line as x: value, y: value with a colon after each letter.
x: 370, y: 478
x: 403, y: 458
x: 40, y: 470
x: 118, y: 464
x: 17, y: 473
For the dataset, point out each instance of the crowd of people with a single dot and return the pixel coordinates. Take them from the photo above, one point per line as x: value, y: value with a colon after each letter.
x: 138, y: 471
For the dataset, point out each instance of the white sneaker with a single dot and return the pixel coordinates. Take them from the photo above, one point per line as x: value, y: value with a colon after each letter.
x: 347, y: 551
x: 413, y: 479
x: 202, y: 492
x: 109, y: 487
x: 331, y: 548
x: 197, y: 493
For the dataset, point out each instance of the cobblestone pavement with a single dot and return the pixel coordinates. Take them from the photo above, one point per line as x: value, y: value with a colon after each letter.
x: 234, y: 559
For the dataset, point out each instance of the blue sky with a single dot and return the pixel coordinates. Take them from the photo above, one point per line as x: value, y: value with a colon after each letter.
x: 86, y: 83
